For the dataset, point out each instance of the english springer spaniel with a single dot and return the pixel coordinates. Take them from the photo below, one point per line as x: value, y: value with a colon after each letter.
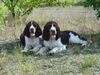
x: 31, y: 36
x: 56, y: 41
x: 52, y: 39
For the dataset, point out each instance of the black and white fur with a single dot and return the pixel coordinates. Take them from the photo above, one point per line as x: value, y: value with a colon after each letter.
x: 56, y: 41
x: 31, y: 36
x: 73, y: 37
x: 52, y: 39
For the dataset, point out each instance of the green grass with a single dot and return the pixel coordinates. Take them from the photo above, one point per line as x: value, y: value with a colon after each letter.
x: 74, y: 2
x: 89, y: 62
x: 56, y: 66
x: 66, y: 2
x: 76, y: 60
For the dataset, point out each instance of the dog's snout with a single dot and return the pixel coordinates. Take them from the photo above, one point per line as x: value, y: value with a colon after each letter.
x: 52, y: 31
x: 32, y: 30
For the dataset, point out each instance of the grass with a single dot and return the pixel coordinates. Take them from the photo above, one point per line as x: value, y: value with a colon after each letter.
x: 76, y: 60
x: 89, y: 62
x: 65, y: 2
x: 61, y: 64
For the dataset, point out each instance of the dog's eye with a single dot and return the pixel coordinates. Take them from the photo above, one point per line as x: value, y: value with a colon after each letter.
x: 34, y: 25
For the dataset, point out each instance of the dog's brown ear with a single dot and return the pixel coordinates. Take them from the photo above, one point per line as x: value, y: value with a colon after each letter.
x: 46, y: 32
x: 58, y: 31
x: 22, y: 40
x: 38, y: 31
x: 26, y: 30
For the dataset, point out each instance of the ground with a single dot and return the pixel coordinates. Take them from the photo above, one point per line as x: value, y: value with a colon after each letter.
x: 76, y: 60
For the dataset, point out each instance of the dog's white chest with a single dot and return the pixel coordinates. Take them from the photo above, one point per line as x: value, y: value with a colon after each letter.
x: 35, y: 41
x: 53, y: 43
x: 32, y: 41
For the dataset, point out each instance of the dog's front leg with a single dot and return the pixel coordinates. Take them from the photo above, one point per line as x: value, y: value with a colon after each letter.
x: 57, y: 50
x: 42, y: 50
x: 27, y: 44
x: 36, y: 48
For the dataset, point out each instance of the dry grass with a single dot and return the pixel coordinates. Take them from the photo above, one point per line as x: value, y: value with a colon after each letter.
x: 79, y: 19
x: 60, y: 64
x: 74, y: 61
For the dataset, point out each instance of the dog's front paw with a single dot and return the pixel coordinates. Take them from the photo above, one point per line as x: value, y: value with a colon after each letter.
x: 53, y: 51
x: 24, y: 51
x: 39, y: 53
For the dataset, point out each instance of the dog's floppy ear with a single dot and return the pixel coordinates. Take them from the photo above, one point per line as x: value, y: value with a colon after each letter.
x: 46, y: 32
x: 57, y: 29
x: 22, y: 40
x: 26, y: 30
x: 58, y: 32
x: 38, y: 31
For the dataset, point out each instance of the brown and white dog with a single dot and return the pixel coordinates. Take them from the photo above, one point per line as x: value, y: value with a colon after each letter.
x: 56, y: 41
x: 31, y: 36
x: 52, y: 39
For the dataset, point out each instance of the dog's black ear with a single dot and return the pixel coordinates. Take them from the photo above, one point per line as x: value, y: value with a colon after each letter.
x: 38, y: 30
x: 22, y: 40
x: 46, y: 32
x: 58, y: 31
x: 26, y: 30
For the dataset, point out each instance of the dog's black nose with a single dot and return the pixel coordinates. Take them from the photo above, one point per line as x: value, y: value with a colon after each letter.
x: 52, y: 31
x: 32, y: 30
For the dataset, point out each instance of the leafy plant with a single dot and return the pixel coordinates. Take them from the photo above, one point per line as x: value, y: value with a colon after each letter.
x: 88, y: 62
x: 26, y: 6
x: 23, y: 7
x: 51, y: 2
x: 95, y: 4
x: 11, y: 4
x: 3, y: 10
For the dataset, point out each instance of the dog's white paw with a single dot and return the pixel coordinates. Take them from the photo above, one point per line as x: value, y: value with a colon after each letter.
x: 53, y: 51
x: 39, y: 53
x: 24, y: 51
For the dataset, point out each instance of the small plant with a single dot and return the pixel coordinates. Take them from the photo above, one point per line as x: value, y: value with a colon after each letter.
x: 86, y: 72
x: 3, y: 10
x: 95, y: 4
x: 27, y: 69
x: 88, y: 62
x: 51, y: 2
x: 3, y: 60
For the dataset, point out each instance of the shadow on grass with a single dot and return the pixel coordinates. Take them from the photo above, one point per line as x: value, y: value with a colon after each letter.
x: 10, y: 46
x: 92, y: 48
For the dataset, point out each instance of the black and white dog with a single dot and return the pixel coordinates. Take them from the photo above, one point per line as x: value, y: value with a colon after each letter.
x: 56, y: 41
x: 31, y: 36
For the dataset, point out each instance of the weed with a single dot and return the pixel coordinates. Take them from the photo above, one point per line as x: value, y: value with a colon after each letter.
x: 89, y: 62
